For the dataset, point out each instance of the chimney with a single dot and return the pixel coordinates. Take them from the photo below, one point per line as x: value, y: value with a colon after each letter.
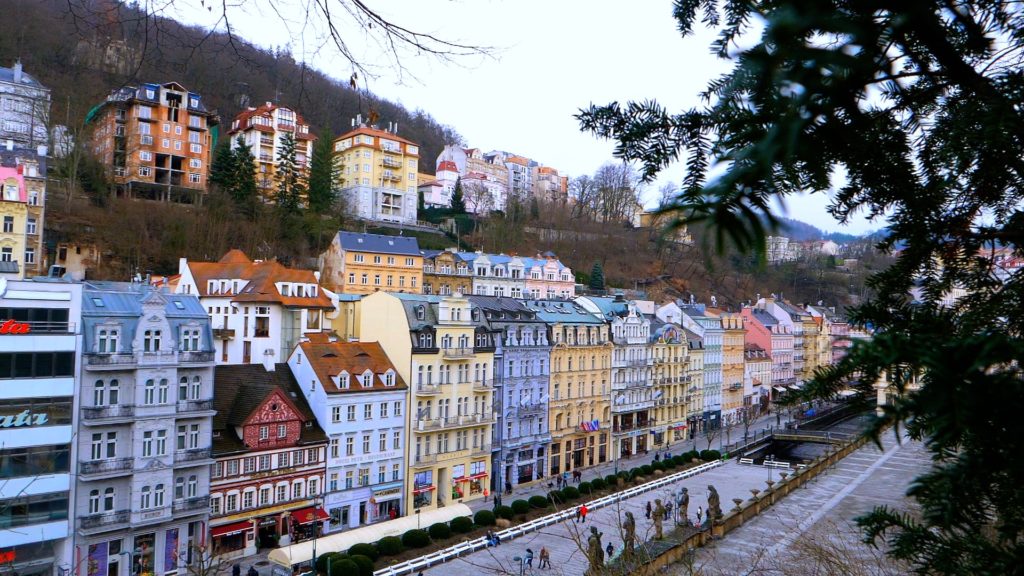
x: 268, y: 360
x: 17, y: 71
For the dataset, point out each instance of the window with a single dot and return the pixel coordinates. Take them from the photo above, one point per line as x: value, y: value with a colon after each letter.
x: 196, y: 148
x: 351, y: 413
x: 30, y: 226
x: 94, y: 502
x: 264, y: 432
x: 282, y: 431
x: 108, y: 499
x: 147, y: 444
x: 6, y: 254
x: 366, y: 443
x: 161, y: 442
x: 264, y: 495
x: 215, y: 506
x: 383, y: 409
x: 145, y: 171
x: 231, y: 503
x: 282, y: 492
x: 151, y: 341
x: 350, y: 446
x: 197, y: 387
x: 383, y: 443
x: 389, y: 380
x: 376, y: 259
x: 348, y: 479
x: 397, y: 408
x: 248, y: 499
x: 335, y: 414
x: 314, y: 487
x: 367, y: 411
x: 195, y: 163
x: 396, y: 441
x: 183, y: 389
x: 162, y: 391
x: 145, y: 500
x: 8, y: 223
x: 194, y: 178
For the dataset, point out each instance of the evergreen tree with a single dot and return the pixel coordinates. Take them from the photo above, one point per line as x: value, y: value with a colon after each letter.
x: 243, y: 188
x: 291, y: 184
x: 324, y: 175
x: 919, y: 105
x: 597, y: 277
x: 458, y: 205
x: 222, y: 169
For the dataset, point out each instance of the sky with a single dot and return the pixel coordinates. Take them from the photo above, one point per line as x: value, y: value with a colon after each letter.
x: 548, y: 60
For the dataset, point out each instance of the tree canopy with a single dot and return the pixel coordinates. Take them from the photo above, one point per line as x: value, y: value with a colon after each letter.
x: 918, y: 105
x: 458, y: 202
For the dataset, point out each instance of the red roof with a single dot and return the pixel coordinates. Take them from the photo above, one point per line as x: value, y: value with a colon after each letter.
x: 328, y: 359
x: 447, y: 165
x: 262, y: 278
x: 266, y: 111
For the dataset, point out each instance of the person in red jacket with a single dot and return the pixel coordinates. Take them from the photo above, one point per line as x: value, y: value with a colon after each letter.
x: 583, y: 513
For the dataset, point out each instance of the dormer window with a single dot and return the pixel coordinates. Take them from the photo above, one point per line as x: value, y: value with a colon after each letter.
x: 286, y: 290
x: 389, y: 378
x: 420, y: 312
x: 343, y: 380
x: 366, y: 379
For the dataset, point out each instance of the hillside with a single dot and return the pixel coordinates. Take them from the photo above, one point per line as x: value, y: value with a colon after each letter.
x: 82, y: 59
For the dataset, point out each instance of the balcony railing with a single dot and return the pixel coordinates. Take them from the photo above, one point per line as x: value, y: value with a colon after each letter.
x: 457, y: 352
x: 192, y: 356
x: 115, y: 360
x: 633, y: 426
x: 192, y: 455
x: 197, y: 504
x: 531, y: 410
x: 125, y: 360
x: 110, y: 465
x: 104, y: 520
x: 454, y: 421
x: 482, y: 386
x: 45, y: 327
x: 194, y: 405
x: 635, y: 383
x: 425, y: 458
x: 428, y: 389
x: 638, y: 363
x: 108, y: 412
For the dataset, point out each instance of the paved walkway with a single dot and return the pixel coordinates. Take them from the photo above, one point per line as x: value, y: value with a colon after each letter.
x: 816, y: 521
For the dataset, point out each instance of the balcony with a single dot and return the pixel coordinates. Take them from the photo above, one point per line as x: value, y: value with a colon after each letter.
x: 195, y: 357
x: 187, y: 406
x: 482, y: 386
x: 151, y: 515
x: 424, y: 459
x: 110, y: 361
x: 736, y: 386
x: 129, y: 360
x: 452, y: 422
x: 389, y: 175
x: 457, y: 353
x: 639, y: 363
x: 633, y: 406
x: 192, y: 457
x: 266, y: 141
x: 428, y: 389
x: 391, y: 162
x: 628, y: 384
x: 223, y: 333
x: 105, y: 468
x: 95, y: 415
x: 631, y: 426
x: 191, y: 506
x: 483, y: 450
x: 529, y: 410
x: 96, y: 523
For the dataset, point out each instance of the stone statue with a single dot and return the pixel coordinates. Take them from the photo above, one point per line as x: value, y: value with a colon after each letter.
x: 683, y: 503
x: 595, y: 553
x: 628, y: 535
x: 659, y: 518
x: 714, y: 506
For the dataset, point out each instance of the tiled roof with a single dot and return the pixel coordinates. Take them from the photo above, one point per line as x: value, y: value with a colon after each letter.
x: 106, y: 299
x: 328, y: 359
x: 375, y: 132
x: 263, y: 110
x: 7, y: 75
x: 764, y: 317
x: 379, y: 243
x: 241, y: 388
x: 261, y: 278
x: 561, y: 311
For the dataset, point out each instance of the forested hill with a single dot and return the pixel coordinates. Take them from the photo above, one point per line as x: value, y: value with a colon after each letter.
x: 82, y: 57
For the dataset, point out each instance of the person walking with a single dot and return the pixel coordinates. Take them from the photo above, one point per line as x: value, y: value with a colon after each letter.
x: 583, y: 512
x: 252, y: 571
x: 545, y: 558
x: 579, y: 514
x: 529, y: 558
x: 700, y: 512
x: 609, y: 550
x: 647, y: 510
x: 236, y: 570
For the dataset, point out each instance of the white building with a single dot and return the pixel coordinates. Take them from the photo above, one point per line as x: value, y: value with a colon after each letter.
x: 258, y: 309
x: 39, y: 341
x: 359, y: 399
x: 24, y: 108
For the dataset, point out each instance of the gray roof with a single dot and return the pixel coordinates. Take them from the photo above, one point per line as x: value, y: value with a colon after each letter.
x: 764, y: 317
x: 359, y: 242
x: 122, y: 303
x: 562, y: 311
x: 7, y: 75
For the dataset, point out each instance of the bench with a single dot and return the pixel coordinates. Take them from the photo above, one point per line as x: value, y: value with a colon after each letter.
x: 749, y: 461
x: 776, y: 464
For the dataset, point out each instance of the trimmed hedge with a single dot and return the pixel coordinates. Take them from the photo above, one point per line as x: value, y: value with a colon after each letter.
x: 647, y: 469
x: 483, y: 518
x: 709, y: 455
x: 344, y: 567
x: 520, y: 506
x: 362, y: 549
x: 570, y: 493
x: 364, y: 562
x: 506, y: 512
x: 539, y: 502
x: 598, y: 484
x: 668, y: 464
x: 439, y: 531
x: 657, y: 466
x: 612, y: 481
x: 416, y: 538
x: 324, y: 559
x: 461, y: 525
x: 390, y: 546
x: 634, y: 472
x: 587, y: 487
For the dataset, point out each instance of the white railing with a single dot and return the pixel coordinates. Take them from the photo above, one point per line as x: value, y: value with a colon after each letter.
x: 439, y: 557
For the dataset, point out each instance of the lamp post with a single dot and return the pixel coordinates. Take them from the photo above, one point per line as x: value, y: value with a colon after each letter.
x: 522, y: 564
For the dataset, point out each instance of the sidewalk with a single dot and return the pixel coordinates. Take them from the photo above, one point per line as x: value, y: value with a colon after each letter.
x: 540, y: 487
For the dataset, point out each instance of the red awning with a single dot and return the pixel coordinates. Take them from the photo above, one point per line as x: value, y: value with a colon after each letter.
x: 229, y: 529
x: 461, y: 479
x: 423, y: 489
x: 478, y: 476
x: 306, y: 515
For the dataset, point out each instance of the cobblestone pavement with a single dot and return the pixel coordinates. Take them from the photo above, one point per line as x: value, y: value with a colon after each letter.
x: 819, y: 516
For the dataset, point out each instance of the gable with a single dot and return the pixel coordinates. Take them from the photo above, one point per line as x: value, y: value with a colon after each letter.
x: 276, y: 407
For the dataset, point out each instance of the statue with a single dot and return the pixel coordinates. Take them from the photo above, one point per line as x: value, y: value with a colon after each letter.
x: 659, y: 517
x: 683, y: 503
x: 595, y: 553
x: 628, y: 535
x: 714, y: 506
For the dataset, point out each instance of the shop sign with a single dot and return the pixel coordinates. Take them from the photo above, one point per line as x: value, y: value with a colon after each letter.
x: 25, y: 418
x: 14, y: 327
x: 388, y: 492
x: 7, y: 557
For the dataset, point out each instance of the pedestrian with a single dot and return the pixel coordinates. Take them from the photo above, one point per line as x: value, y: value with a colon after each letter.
x: 700, y: 512
x: 529, y: 558
x: 647, y: 510
x: 657, y: 457
x: 252, y: 571
x: 508, y: 487
x: 579, y: 514
x: 583, y: 512
x: 545, y: 558
x: 609, y: 550
x: 236, y: 570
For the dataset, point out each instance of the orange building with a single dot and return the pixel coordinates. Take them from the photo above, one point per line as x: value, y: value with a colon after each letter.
x: 155, y: 140
x: 262, y: 128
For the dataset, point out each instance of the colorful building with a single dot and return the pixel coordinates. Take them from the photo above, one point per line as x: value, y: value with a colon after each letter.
x: 155, y: 140
x: 263, y: 128
x: 733, y: 370
x: 547, y: 277
x: 359, y: 263
x: 757, y: 378
x: 694, y: 379
x: 23, y: 185
x: 360, y: 400
x: 258, y: 308
x: 269, y: 457
x: 449, y: 364
x: 670, y: 351
x: 379, y: 171
x: 579, y: 390
x: 446, y: 273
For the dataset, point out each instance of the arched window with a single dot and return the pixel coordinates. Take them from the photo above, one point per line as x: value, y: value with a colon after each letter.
x: 150, y: 392
x: 99, y: 394
x: 158, y: 496
x: 183, y: 389
x: 94, y: 502
x: 197, y: 387
x: 108, y: 500
x: 114, y: 393
x: 162, y: 392
x: 144, y: 498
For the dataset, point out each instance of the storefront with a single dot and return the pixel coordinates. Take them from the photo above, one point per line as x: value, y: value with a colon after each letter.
x: 386, y: 502
x: 33, y: 559
x: 658, y: 436
x: 423, y: 489
x: 233, y: 537
x: 678, y: 431
x: 306, y: 523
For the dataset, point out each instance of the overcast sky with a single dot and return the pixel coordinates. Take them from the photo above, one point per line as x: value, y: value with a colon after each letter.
x: 551, y: 58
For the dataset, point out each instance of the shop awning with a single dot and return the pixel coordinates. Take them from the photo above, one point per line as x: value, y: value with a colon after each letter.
x: 679, y: 426
x: 478, y: 476
x: 461, y: 479
x: 229, y: 529
x: 310, y: 514
x: 422, y: 489
x: 779, y: 388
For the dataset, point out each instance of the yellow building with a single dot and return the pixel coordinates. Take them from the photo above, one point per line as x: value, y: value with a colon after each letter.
x: 670, y: 351
x: 379, y: 174
x: 357, y: 263
x: 694, y: 384
x: 22, y: 193
x: 448, y: 364
x: 580, y: 415
x: 757, y: 380
x: 733, y: 337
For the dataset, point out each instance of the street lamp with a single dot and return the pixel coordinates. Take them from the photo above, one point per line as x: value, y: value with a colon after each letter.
x: 522, y: 564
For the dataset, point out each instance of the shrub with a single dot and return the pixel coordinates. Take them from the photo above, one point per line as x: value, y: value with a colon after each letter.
x: 634, y: 472
x: 368, y: 550
x: 325, y: 559
x: 506, y: 512
x: 439, y: 531
x: 657, y: 466
x: 344, y: 567
x: 668, y: 464
x: 709, y: 455
x: 390, y: 546
x: 679, y: 460
x: 587, y: 487
x: 598, y: 484
x: 461, y: 525
x: 415, y: 538
x: 520, y: 506
x: 692, y: 455
x: 364, y: 562
x: 539, y: 502
x: 556, y: 496
x: 570, y: 493
x: 646, y: 470
x: 612, y: 481
x: 483, y: 518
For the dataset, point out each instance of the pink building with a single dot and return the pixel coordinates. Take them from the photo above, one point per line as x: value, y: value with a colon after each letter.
x: 547, y: 277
